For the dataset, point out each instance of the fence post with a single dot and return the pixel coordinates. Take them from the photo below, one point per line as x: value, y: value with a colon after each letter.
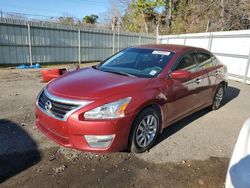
x: 139, y: 39
x: 247, y: 68
x: 210, y: 42
x: 157, y: 33
x: 79, y: 46
x: 118, y: 36
x: 184, y: 42
x: 159, y: 39
x: 29, y: 40
x: 113, y: 42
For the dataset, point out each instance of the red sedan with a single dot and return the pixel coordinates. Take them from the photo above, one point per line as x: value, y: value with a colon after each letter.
x: 128, y: 99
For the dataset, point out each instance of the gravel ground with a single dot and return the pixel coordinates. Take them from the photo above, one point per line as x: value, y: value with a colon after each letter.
x: 193, y: 152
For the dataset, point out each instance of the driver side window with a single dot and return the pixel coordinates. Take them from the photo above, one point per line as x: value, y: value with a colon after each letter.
x: 187, y: 63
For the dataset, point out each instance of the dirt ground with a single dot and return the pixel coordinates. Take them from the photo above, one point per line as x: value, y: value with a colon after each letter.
x: 193, y: 152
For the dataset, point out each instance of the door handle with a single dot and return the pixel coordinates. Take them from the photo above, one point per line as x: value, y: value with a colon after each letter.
x: 198, y: 80
x: 217, y: 73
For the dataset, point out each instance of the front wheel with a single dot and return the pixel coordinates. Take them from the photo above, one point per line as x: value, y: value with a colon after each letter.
x: 218, y: 97
x: 145, y: 130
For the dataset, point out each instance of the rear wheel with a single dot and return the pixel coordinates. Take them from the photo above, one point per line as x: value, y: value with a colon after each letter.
x: 218, y: 97
x: 145, y: 130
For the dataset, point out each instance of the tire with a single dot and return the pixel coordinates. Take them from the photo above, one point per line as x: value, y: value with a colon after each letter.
x: 144, y: 130
x: 218, y: 97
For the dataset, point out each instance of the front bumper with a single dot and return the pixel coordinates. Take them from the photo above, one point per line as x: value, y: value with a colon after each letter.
x: 71, y: 133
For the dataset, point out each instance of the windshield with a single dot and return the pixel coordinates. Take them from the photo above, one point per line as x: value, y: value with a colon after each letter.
x: 137, y: 62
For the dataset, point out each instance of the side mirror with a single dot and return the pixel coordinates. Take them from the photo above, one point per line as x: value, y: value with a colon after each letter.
x: 180, y: 74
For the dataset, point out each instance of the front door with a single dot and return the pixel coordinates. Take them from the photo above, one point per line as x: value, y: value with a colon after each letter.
x: 182, y: 94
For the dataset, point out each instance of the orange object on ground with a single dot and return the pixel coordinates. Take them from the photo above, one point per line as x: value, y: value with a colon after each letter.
x: 52, y: 74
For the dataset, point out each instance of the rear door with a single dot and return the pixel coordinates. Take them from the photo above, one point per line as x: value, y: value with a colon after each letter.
x: 182, y: 94
x: 207, y: 65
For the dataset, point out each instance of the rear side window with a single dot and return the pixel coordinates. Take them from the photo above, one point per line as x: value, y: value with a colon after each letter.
x: 206, y: 61
x: 187, y: 63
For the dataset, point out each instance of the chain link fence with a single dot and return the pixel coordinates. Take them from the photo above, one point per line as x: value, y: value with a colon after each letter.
x: 31, y: 42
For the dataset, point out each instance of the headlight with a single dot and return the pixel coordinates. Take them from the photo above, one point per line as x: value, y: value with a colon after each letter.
x: 109, y: 111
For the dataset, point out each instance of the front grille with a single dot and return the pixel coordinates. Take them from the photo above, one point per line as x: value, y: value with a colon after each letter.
x: 55, y: 108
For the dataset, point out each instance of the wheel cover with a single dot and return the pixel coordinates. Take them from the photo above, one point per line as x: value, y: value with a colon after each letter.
x: 219, y: 96
x: 146, y: 131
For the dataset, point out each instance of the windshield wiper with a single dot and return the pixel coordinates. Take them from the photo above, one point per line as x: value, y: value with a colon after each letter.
x: 119, y: 72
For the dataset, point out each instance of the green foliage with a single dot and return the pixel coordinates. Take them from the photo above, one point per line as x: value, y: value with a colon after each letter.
x: 92, y: 19
x: 142, y: 15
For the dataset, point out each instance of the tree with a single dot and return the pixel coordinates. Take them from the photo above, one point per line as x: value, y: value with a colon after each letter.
x: 66, y: 20
x: 92, y: 19
x: 216, y: 15
x: 182, y: 16
x: 141, y: 15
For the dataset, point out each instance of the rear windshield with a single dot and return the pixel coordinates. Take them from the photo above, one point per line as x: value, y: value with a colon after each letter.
x: 137, y: 62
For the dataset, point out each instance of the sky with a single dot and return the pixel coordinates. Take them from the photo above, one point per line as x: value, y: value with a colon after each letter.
x: 54, y: 8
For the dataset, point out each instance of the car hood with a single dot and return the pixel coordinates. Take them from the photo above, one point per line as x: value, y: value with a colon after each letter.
x: 89, y: 83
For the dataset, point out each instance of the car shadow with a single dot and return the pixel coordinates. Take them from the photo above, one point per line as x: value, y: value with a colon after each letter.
x: 231, y: 93
x: 18, y: 151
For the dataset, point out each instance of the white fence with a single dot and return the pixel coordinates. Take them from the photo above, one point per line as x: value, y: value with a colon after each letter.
x: 231, y: 47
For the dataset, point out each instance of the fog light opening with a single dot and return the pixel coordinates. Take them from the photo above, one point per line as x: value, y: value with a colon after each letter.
x: 99, y: 141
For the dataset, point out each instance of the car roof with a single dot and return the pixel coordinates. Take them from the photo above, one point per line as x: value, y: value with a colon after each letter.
x: 169, y: 47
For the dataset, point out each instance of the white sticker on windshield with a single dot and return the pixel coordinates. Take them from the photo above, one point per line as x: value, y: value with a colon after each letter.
x: 153, y: 72
x: 161, y: 52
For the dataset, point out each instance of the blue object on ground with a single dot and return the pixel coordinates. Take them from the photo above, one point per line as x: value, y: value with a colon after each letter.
x: 23, y: 66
